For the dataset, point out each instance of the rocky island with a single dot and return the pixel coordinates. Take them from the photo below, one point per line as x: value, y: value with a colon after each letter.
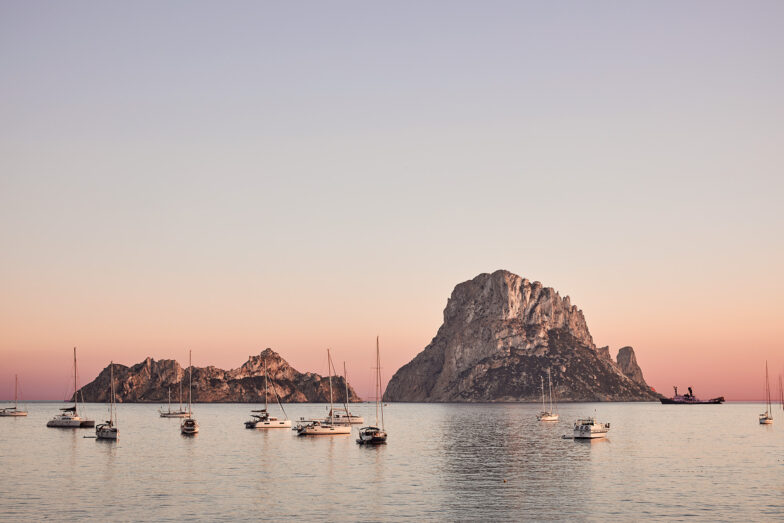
x: 151, y: 380
x: 501, y: 334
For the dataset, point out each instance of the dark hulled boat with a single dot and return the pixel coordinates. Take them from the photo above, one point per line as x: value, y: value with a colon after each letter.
x: 690, y: 399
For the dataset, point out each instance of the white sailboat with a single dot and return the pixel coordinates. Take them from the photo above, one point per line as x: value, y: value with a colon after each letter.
x: 767, y: 417
x: 262, y: 418
x: 344, y: 415
x: 325, y: 427
x: 375, y: 435
x: 169, y: 413
x: 14, y: 411
x: 69, y: 417
x: 109, y: 429
x: 547, y: 415
x: 189, y: 425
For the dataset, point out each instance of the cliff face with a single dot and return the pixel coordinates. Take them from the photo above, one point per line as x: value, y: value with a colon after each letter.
x: 150, y: 381
x: 500, y: 335
x: 627, y: 362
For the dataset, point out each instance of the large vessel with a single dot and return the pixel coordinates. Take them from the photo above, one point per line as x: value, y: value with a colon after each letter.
x: 767, y: 417
x: 14, y: 411
x: 261, y: 419
x: 689, y: 399
x: 375, y: 435
x: 327, y: 427
x: 69, y: 417
x: 108, y: 430
x: 589, y: 428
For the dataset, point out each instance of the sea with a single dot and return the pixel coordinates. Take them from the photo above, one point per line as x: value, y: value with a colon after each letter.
x: 442, y: 462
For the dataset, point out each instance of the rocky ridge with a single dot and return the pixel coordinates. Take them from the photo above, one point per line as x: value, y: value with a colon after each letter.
x: 501, y: 333
x: 151, y: 380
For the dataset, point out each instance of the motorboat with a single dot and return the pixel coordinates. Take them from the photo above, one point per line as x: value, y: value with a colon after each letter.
x: 108, y: 430
x: 373, y: 435
x: 589, y: 428
x: 69, y: 417
x: 14, y: 411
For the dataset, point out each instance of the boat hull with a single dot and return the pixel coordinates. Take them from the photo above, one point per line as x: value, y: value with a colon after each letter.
x: 71, y: 423
x: 107, y: 433
x: 189, y: 427
x: 324, y: 430
x: 580, y: 434
x: 546, y: 416
x: 277, y: 424
x: 13, y: 414
x: 673, y: 401
x: 765, y: 420
x: 174, y: 414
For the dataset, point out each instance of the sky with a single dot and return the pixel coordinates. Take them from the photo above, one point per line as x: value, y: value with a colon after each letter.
x: 229, y: 176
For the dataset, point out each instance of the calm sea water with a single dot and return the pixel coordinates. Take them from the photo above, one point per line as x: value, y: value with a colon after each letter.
x: 442, y: 462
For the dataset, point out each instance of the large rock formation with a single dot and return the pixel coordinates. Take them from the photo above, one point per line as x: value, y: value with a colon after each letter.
x: 150, y: 381
x: 627, y: 362
x: 501, y: 333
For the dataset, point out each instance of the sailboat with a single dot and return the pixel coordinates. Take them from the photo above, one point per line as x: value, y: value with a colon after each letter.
x: 374, y: 435
x: 189, y: 425
x: 262, y: 419
x: 14, y: 411
x: 767, y: 417
x: 344, y: 415
x: 182, y: 413
x: 109, y: 429
x: 547, y: 415
x: 326, y: 427
x: 69, y: 418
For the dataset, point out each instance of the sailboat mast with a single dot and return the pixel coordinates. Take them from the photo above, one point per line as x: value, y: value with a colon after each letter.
x: 550, y: 390
x: 190, y: 379
x: 74, y: 378
x: 111, y: 387
x: 265, y: 385
x: 329, y: 369
x: 542, y: 387
x: 379, y: 405
x: 767, y: 387
x: 16, y: 389
x: 345, y: 380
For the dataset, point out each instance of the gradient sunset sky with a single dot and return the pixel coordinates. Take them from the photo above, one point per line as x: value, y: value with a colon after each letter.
x: 230, y: 176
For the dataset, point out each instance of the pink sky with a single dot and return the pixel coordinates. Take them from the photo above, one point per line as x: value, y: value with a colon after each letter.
x: 309, y: 176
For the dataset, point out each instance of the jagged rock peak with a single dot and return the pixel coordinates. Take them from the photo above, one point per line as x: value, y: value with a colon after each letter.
x: 151, y: 381
x: 500, y: 337
x: 627, y: 362
x: 504, y: 296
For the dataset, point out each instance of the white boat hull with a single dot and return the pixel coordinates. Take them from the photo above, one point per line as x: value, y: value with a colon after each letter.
x: 13, y: 413
x: 174, y: 414
x: 546, y: 416
x: 765, y: 420
x: 277, y: 424
x: 581, y: 434
x: 324, y: 430
x: 70, y: 423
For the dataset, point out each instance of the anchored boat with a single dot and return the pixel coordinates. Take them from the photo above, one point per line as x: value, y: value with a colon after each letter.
x: 375, y: 435
x: 767, y: 417
x: 327, y: 427
x: 548, y: 415
x: 263, y: 420
x: 189, y: 425
x: 690, y: 399
x: 69, y: 417
x: 14, y: 411
x: 589, y: 428
x: 109, y: 429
